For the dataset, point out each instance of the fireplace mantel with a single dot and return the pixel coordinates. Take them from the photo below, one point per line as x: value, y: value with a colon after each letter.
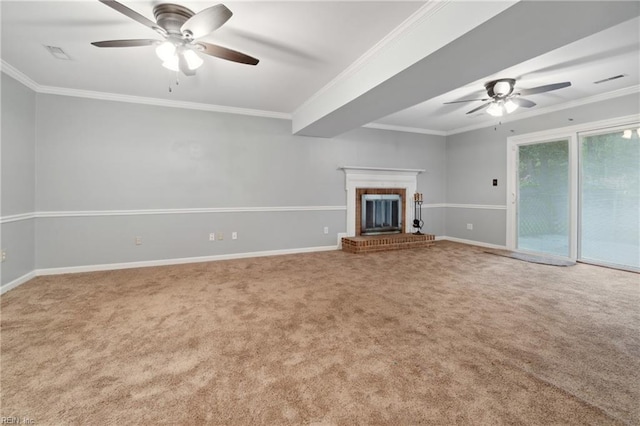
x: 380, y: 170
x: 377, y: 177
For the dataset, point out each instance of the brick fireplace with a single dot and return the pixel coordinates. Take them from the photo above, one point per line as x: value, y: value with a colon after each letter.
x: 378, y: 179
x: 370, y: 180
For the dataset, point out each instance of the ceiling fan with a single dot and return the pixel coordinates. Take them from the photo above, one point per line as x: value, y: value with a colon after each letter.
x: 182, y: 30
x: 502, y: 99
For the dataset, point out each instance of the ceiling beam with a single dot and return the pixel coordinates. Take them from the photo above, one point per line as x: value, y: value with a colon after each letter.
x: 456, y: 44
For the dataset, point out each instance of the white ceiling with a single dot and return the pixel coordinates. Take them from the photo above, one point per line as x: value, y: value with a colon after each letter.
x: 302, y: 47
x: 606, y: 54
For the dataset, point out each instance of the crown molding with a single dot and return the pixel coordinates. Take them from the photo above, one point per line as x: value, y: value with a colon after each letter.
x: 16, y: 74
x: 554, y: 108
x: 427, y: 10
x: 13, y: 72
x: 105, y: 96
x: 393, y: 128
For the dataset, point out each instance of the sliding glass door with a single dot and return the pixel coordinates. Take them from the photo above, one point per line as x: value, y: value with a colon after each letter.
x: 575, y: 193
x: 543, y: 195
x: 610, y: 197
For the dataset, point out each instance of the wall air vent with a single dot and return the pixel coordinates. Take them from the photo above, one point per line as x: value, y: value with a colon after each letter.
x: 58, y: 53
x: 615, y: 77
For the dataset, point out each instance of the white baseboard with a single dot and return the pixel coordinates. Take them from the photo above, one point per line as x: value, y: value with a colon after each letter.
x: 15, y: 283
x: 177, y: 261
x: 471, y: 242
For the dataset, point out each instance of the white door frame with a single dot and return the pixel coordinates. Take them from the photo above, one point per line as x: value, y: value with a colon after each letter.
x: 569, y: 133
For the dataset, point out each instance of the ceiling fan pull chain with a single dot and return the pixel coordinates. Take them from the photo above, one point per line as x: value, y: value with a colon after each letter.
x: 177, y: 82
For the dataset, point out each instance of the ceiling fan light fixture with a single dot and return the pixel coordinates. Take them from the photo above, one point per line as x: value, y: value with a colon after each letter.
x: 510, y: 106
x: 496, y: 109
x: 193, y: 60
x: 172, y: 63
x: 166, y: 51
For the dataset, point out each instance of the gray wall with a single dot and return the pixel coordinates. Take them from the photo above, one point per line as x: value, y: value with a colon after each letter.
x: 475, y: 158
x: 17, y: 149
x: 109, y: 157
x: 95, y: 155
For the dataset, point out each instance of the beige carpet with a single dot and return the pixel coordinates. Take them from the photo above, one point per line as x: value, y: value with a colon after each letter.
x: 441, y: 335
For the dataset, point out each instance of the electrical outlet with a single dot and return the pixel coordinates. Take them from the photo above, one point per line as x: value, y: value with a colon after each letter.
x: 326, y: 229
x: 470, y: 226
x: 138, y: 241
x: 212, y: 236
x: 4, y: 255
x: 234, y: 235
x: 220, y: 236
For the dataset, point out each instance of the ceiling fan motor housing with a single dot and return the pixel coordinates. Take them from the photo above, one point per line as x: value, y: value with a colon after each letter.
x: 172, y: 17
x: 501, y: 88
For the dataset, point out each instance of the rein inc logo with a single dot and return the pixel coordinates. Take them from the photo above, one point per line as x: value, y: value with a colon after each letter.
x: 17, y: 421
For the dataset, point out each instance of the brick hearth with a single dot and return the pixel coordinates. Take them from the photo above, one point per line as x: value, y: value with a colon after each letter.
x: 373, y: 243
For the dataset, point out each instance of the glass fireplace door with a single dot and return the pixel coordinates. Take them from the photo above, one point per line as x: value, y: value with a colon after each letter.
x: 381, y: 214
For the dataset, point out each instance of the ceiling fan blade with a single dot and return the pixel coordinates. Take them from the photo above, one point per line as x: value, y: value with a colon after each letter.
x: 205, y: 22
x: 525, y: 103
x: 546, y: 88
x: 228, y: 54
x: 480, y: 108
x: 125, y: 43
x: 466, y: 100
x: 134, y: 15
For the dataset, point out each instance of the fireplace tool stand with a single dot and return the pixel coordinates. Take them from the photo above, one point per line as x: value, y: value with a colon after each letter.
x: 417, y: 213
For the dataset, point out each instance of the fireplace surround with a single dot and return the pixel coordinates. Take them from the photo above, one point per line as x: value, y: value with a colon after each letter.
x: 380, y: 180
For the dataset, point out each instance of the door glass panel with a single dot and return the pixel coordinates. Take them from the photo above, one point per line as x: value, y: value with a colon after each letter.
x: 610, y: 197
x: 543, y: 198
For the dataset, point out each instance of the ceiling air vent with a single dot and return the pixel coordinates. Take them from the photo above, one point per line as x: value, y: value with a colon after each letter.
x: 615, y: 77
x: 58, y: 53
